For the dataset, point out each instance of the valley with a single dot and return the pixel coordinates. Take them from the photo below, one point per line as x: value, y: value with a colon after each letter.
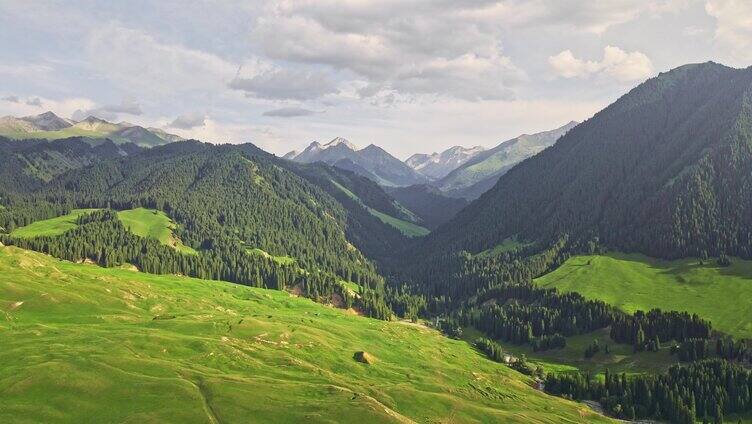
x: 342, y: 284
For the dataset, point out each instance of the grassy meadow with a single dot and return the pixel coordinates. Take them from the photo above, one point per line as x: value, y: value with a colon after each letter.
x: 633, y: 282
x: 51, y: 227
x: 82, y: 343
x: 154, y: 224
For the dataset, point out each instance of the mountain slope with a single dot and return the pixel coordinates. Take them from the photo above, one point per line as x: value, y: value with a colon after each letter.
x: 666, y: 170
x: 117, y: 344
x: 481, y: 172
x: 51, y: 127
x: 372, y: 162
x: 30, y: 163
x: 438, y: 165
x: 431, y: 205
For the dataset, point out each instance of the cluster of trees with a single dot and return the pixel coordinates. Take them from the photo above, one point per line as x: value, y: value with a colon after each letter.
x: 523, y: 313
x: 492, y: 349
x: 556, y: 341
x: 704, y: 390
x: 691, y: 350
x: 595, y: 347
x: 733, y: 350
x: 646, y: 331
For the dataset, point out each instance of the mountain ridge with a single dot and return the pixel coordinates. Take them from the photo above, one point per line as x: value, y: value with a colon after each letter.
x: 49, y: 126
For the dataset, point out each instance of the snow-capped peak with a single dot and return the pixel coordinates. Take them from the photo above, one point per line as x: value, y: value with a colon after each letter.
x: 339, y: 140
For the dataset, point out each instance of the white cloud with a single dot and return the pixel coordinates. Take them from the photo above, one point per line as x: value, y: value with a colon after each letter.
x: 110, y: 112
x: 413, y: 47
x: 283, y: 84
x: 289, y: 112
x: 34, y: 101
x: 616, y: 63
x: 138, y: 61
x: 733, y: 27
x: 189, y: 121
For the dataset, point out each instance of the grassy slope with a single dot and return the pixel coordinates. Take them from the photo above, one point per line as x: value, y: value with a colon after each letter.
x: 81, y: 343
x: 631, y: 282
x: 155, y: 224
x: 51, y: 227
x: 407, y: 228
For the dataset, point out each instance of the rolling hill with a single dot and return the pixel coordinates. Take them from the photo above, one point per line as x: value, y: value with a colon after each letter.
x: 85, y: 343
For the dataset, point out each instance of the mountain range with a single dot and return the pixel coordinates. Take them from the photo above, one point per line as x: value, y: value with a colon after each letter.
x: 52, y: 127
x: 438, y: 165
x: 372, y: 162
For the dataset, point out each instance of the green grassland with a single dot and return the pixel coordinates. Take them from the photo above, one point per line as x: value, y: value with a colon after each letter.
x: 155, y: 224
x: 82, y: 343
x: 407, y: 228
x: 722, y: 295
x: 50, y: 227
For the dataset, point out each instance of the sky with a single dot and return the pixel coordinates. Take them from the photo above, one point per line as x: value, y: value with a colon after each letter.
x: 408, y: 75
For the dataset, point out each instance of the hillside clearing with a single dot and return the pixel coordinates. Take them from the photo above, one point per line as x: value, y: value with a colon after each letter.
x: 635, y: 282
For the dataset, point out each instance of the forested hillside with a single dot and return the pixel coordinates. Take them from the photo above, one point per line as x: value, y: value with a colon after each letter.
x: 666, y: 170
x: 236, y: 205
x: 26, y: 164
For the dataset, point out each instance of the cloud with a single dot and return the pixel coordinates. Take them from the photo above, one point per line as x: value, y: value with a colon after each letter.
x: 616, y: 63
x: 594, y: 17
x: 189, y: 121
x: 141, y: 63
x: 289, y: 112
x: 129, y: 106
x: 11, y: 99
x: 36, y: 102
x: 110, y: 112
x: 733, y: 27
x: 415, y: 47
x: 283, y: 84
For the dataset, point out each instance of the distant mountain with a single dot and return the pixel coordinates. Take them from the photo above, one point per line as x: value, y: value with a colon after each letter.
x: 438, y: 165
x: 481, y: 172
x: 666, y: 170
x: 291, y: 155
x: 48, y: 121
x: 52, y: 127
x: 372, y: 162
